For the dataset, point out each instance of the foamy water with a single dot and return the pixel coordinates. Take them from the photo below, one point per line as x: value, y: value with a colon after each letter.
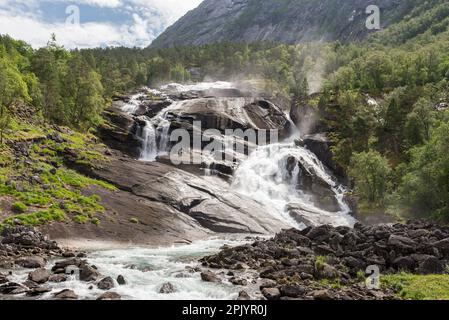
x: 146, y: 270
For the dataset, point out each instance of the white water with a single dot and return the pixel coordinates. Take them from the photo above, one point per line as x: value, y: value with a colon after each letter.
x: 164, y: 264
x: 265, y: 178
x: 149, y: 136
x: 177, y: 87
x: 133, y: 104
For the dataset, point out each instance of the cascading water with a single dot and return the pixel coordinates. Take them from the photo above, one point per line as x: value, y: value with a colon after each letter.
x: 265, y: 177
x: 149, y: 135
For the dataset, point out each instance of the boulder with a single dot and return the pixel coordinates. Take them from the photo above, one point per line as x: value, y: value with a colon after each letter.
x: 401, y: 243
x: 13, y: 288
x: 209, y: 276
x: 66, y: 295
x: 404, y: 263
x: 32, y: 262
x: 106, y: 284
x: 431, y: 265
x: 293, y: 291
x: 88, y: 273
x: 110, y: 296
x: 38, y: 291
x: 322, y: 295
x: 271, y: 293
x: 39, y: 276
x: 57, y: 278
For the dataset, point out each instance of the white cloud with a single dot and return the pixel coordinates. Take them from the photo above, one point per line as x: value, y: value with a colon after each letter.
x: 24, y: 20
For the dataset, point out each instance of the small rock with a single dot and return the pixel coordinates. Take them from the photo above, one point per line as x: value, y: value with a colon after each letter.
x: 68, y: 254
x: 121, y: 280
x: 110, y: 296
x: 167, y: 288
x: 238, y: 281
x: 322, y: 295
x: 106, y: 284
x: 66, y: 295
x: 38, y: 291
x: 243, y: 295
x: 209, y: 276
x: 271, y: 293
x: 39, y: 276
x: 57, y: 278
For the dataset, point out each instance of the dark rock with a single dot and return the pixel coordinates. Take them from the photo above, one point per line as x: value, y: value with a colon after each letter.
x: 31, y: 262
x: 106, y: 284
x: 88, y: 273
x: 57, y: 278
x: 38, y: 291
x: 293, y: 291
x: 167, y: 288
x: 238, y: 281
x: 243, y: 295
x: 431, y: 265
x: 121, y: 280
x: 401, y: 243
x: 209, y: 276
x: 405, y: 263
x: 271, y: 293
x: 13, y: 288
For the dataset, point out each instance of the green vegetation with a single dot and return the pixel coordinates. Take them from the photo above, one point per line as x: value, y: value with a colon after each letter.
x: 385, y: 101
x: 418, y: 287
x: 320, y: 262
x: 19, y: 207
x: 370, y: 171
x: 134, y: 220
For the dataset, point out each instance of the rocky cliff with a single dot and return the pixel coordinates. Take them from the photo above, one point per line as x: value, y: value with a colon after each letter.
x: 289, y: 21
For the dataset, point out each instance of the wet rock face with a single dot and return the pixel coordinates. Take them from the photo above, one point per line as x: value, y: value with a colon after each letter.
x: 230, y: 113
x: 191, y: 201
x: 294, y: 261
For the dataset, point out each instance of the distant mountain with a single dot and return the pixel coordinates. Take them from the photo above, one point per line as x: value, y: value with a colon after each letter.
x: 288, y: 21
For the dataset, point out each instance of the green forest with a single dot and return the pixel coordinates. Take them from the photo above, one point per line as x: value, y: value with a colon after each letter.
x: 395, y: 149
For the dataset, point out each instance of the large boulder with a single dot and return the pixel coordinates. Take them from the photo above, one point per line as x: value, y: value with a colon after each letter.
x: 32, y: 262
x: 106, y: 284
x: 39, y: 276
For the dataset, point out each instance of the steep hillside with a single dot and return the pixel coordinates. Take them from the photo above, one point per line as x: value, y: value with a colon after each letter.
x: 289, y: 21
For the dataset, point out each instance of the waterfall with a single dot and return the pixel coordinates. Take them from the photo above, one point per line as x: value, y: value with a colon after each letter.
x: 149, y: 137
x: 265, y: 177
x: 133, y: 103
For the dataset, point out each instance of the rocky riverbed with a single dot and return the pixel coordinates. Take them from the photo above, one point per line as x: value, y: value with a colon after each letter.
x: 317, y: 263
x: 328, y: 262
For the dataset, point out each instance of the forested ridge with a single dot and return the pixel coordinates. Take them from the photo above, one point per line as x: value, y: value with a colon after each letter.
x: 383, y: 100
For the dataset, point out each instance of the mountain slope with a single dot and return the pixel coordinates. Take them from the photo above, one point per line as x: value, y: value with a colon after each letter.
x: 289, y: 21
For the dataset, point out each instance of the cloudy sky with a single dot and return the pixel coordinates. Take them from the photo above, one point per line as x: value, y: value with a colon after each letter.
x: 101, y: 22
